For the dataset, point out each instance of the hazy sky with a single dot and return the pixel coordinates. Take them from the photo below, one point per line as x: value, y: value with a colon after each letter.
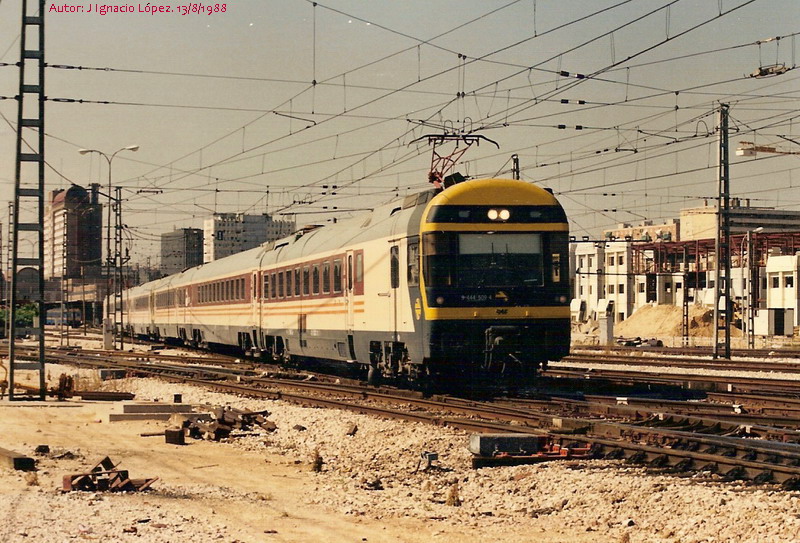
x: 228, y: 118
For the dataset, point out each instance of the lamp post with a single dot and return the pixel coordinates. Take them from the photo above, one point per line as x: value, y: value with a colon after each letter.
x: 749, y: 308
x: 109, y: 281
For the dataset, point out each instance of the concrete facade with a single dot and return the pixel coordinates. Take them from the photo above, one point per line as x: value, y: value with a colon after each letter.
x: 181, y: 249
x: 73, y: 227
x: 225, y: 234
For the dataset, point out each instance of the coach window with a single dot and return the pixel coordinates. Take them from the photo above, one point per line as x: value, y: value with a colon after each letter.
x: 350, y: 272
x: 297, y: 281
x: 337, y: 275
x: 413, y: 264
x: 394, y: 266
x: 359, y: 267
x: 273, y: 283
x: 315, y: 278
x: 280, y: 284
x: 326, y: 277
x: 288, y: 283
x: 306, y: 280
x: 265, y: 290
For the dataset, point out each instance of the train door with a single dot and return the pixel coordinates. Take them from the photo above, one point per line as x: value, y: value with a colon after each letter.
x: 394, y: 286
x: 348, y: 291
x: 152, y: 310
x: 255, y: 318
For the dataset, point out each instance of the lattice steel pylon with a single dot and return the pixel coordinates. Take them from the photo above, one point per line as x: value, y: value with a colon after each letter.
x: 28, y: 214
x: 722, y: 248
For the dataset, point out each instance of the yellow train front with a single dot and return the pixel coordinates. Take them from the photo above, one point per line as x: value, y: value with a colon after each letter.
x: 493, y: 293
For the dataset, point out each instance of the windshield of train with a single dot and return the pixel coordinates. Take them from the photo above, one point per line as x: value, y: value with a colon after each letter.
x: 483, y: 259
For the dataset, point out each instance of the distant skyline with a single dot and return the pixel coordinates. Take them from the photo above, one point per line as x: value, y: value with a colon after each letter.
x: 267, y: 106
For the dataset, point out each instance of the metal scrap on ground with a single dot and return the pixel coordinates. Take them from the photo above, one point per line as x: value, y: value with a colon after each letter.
x: 105, y: 477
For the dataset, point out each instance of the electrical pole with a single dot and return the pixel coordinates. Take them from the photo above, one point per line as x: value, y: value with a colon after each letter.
x: 28, y: 213
x: 722, y: 247
x: 119, y: 261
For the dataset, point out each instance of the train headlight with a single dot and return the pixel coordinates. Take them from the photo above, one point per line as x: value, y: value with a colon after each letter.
x: 439, y: 300
x: 561, y: 299
x: 498, y: 214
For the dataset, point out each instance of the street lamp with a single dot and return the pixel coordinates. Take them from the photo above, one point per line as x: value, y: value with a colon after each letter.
x: 109, y: 281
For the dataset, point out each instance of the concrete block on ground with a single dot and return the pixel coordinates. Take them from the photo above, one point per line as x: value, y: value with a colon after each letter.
x: 107, y: 374
x: 489, y: 444
x: 16, y: 461
x: 156, y: 408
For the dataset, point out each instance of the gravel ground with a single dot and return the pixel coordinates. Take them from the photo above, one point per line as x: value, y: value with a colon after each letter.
x: 373, y: 480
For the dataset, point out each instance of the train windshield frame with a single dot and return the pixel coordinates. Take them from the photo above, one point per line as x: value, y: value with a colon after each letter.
x: 483, y: 259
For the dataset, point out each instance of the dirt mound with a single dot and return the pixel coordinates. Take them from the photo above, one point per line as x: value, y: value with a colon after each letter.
x: 666, y: 321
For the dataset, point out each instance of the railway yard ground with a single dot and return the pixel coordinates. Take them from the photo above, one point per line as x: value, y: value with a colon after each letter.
x: 325, y: 474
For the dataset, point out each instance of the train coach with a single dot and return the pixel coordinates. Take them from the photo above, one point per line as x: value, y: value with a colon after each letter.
x: 441, y: 285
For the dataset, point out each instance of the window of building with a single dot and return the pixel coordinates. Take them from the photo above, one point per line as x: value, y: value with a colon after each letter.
x: 621, y: 288
x: 611, y: 289
x: 580, y: 290
x: 678, y: 286
x: 667, y: 287
x: 581, y: 262
x: 610, y: 261
x: 620, y: 260
x: 789, y: 281
x: 776, y: 282
x: 590, y: 290
x: 590, y: 262
x: 641, y: 287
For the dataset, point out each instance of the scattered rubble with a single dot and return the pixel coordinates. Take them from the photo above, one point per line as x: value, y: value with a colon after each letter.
x: 105, y: 477
x: 221, y: 422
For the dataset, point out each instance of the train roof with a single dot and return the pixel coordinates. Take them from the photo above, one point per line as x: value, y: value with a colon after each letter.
x: 398, y: 218
x: 392, y: 218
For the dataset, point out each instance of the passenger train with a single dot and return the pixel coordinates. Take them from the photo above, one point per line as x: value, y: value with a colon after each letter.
x: 443, y: 285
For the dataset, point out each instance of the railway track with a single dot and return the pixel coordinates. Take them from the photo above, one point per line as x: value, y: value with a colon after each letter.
x: 668, y: 443
x: 648, y: 360
x: 689, y: 381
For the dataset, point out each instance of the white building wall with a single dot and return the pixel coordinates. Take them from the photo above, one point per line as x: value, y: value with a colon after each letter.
x: 225, y: 234
x: 781, y: 283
